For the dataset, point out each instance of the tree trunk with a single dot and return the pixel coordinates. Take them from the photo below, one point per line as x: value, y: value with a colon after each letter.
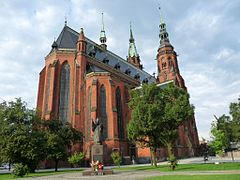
x: 56, y: 165
x: 171, y: 157
x: 32, y: 169
x: 9, y: 166
x: 155, y: 157
x: 232, y: 155
x: 151, y: 157
x: 169, y: 149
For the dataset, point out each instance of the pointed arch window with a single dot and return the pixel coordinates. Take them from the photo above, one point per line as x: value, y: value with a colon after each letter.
x: 119, y: 114
x: 47, y: 88
x: 103, y: 112
x: 64, y: 93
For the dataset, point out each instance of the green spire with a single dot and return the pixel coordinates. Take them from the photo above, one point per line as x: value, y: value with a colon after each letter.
x: 131, y: 34
x: 132, y: 51
x: 163, y: 35
x: 103, y: 38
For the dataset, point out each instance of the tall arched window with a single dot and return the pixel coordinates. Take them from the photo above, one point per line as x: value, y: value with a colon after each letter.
x: 89, y: 120
x: 103, y: 112
x: 64, y: 93
x: 119, y: 114
x: 47, y: 88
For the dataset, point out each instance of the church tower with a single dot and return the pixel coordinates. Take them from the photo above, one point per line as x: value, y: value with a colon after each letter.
x: 168, y: 71
x: 167, y: 59
x: 133, y: 56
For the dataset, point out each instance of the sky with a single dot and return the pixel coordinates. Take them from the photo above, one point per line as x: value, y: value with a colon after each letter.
x: 205, y: 35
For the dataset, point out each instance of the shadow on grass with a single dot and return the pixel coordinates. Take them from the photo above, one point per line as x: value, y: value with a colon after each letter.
x: 49, y: 173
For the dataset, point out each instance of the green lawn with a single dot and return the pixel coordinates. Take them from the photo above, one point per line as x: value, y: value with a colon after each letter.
x: 10, y: 176
x: 198, y: 177
x: 163, y: 168
x: 188, y: 167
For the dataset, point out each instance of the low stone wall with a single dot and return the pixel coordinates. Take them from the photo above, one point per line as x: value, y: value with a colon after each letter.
x: 234, y: 153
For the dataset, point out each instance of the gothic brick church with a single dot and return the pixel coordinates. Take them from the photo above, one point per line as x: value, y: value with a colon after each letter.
x: 82, y: 81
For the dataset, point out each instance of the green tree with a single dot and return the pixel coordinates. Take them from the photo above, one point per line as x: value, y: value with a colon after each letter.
x: 21, y: 141
x: 60, y: 138
x: 156, y: 116
x: 146, y: 118
x: 224, y: 123
x: 219, y: 141
x: 228, y: 125
x: 3, y: 126
x: 177, y: 109
x: 235, y: 113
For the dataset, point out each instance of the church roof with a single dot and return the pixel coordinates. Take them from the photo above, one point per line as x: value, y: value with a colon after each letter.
x: 68, y: 39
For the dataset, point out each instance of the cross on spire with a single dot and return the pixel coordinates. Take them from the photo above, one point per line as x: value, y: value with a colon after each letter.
x: 65, y: 22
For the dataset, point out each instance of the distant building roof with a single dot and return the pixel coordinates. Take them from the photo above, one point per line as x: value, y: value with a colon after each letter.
x: 68, y: 39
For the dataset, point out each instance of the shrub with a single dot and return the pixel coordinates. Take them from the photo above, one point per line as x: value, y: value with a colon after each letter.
x: 76, y: 158
x: 117, y: 159
x: 20, y: 170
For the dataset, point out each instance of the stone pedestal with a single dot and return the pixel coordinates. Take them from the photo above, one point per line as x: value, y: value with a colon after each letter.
x: 97, y: 152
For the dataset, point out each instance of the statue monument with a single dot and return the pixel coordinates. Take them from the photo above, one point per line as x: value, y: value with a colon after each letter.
x: 97, y: 131
x: 97, y: 148
x: 97, y: 151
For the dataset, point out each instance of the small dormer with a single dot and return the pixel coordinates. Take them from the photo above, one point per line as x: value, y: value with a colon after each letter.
x: 137, y: 76
x: 105, y: 60
x: 128, y: 71
x: 117, y: 66
x: 145, y: 81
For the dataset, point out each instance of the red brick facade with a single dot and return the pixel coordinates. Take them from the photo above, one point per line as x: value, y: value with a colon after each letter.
x: 73, y: 79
